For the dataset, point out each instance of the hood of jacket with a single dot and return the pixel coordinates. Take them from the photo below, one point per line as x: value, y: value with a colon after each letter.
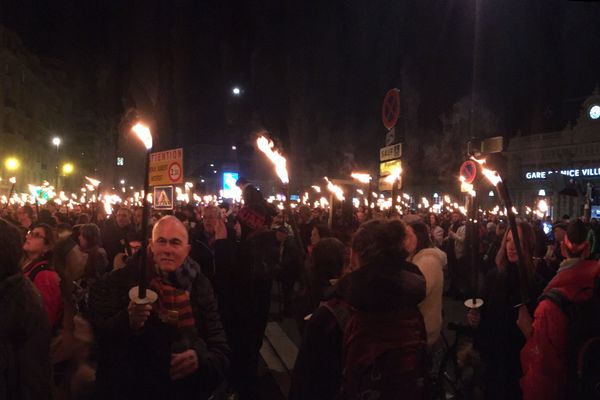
x: 385, y: 286
x: 431, y: 253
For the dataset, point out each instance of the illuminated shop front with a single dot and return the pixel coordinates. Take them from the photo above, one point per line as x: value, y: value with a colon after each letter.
x: 563, y: 166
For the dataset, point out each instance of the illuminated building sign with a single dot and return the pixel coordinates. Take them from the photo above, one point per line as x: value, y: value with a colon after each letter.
x: 229, y: 184
x: 573, y: 173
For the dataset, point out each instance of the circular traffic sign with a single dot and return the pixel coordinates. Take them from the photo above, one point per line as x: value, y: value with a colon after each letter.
x: 175, y: 171
x: 468, y: 170
x: 391, y: 108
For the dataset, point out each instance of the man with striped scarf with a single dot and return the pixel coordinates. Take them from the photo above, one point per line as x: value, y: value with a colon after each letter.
x: 174, y: 348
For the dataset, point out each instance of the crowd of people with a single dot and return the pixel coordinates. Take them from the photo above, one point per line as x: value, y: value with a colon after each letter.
x: 367, y: 293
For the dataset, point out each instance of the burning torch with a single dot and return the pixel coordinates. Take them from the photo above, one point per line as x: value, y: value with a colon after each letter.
x: 140, y: 294
x: 502, y: 190
x: 266, y: 146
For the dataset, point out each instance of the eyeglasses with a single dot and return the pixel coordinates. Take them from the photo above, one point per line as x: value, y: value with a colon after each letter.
x: 36, y: 235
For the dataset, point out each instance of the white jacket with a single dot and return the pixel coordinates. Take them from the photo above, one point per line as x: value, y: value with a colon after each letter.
x: 431, y: 263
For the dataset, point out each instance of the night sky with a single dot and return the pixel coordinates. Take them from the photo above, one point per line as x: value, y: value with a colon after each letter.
x: 314, y: 73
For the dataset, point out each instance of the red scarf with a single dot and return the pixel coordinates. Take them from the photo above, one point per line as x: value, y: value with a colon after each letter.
x: 173, y: 305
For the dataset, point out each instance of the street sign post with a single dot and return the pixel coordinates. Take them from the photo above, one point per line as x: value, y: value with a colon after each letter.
x: 166, y: 167
x: 468, y: 170
x: 385, y: 169
x: 163, y: 197
x: 392, y: 152
x: 391, y: 108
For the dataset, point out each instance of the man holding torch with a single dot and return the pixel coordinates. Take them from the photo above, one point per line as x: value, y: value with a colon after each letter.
x: 173, y: 348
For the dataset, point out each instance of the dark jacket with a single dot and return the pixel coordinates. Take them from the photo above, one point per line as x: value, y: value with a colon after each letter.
x: 114, y: 239
x: 203, y: 250
x: 24, y: 341
x: 498, y: 337
x: 136, y: 365
x: 373, y: 288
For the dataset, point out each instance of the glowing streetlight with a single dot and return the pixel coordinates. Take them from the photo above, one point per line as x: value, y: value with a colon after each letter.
x: 236, y: 91
x: 12, y: 164
x: 68, y: 169
x: 56, y: 141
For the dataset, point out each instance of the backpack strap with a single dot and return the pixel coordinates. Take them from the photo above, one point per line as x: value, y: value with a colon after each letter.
x: 37, y: 268
x: 559, y: 299
x: 340, y: 310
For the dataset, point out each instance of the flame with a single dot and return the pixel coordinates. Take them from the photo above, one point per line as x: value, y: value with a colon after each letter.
x: 144, y: 134
x: 491, y: 175
x: 542, y: 206
x: 394, y: 175
x: 266, y: 146
x: 336, y: 190
x: 425, y: 202
x: 361, y: 177
x: 94, y: 182
x: 316, y: 188
x: 13, y: 180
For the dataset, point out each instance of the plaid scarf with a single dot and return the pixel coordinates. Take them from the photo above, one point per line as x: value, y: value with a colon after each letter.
x: 173, y: 289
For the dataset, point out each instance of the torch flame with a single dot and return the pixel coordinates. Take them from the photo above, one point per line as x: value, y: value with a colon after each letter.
x: 542, y: 206
x: 13, y: 180
x: 336, y: 190
x: 316, y: 188
x: 361, y: 177
x: 266, y: 146
x: 94, y: 182
x: 394, y: 175
x: 143, y: 133
x: 491, y: 175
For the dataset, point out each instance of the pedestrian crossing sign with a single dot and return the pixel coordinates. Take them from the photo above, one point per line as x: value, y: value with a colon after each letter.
x: 163, y: 198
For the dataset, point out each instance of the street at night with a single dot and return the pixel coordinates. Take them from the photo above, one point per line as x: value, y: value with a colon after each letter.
x: 273, y: 200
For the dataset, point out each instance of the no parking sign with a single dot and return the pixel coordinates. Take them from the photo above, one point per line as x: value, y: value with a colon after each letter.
x: 468, y: 170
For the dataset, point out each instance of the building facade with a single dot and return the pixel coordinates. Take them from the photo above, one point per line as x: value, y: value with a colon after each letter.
x: 562, y: 168
x: 40, y: 100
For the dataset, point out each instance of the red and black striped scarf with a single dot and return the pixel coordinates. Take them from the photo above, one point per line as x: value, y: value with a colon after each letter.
x: 173, y: 305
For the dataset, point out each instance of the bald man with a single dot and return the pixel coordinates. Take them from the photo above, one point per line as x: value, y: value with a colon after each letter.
x: 174, y: 347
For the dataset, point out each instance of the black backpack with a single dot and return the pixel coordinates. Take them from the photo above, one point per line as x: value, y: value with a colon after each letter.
x: 583, y: 342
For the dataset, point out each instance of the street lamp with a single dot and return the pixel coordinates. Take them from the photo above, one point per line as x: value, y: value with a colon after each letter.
x: 12, y: 163
x: 68, y: 169
x: 56, y: 142
x: 236, y: 91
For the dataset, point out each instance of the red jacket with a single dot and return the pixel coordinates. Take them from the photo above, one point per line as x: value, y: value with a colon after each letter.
x: 544, y: 357
x: 47, y: 283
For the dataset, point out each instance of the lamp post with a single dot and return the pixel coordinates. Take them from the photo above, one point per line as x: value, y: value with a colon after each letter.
x: 140, y: 294
x: 56, y: 142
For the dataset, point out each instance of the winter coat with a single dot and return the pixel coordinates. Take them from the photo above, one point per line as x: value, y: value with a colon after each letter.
x: 24, y: 341
x: 498, y: 337
x: 437, y: 236
x: 47, y: 282
x: 459, y: 242
x: 114, y: 238
x: 202, y: 250
x: 544, y: 358
x: 134, y: 365
x: 372, y: 288
x: 431, y: 262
